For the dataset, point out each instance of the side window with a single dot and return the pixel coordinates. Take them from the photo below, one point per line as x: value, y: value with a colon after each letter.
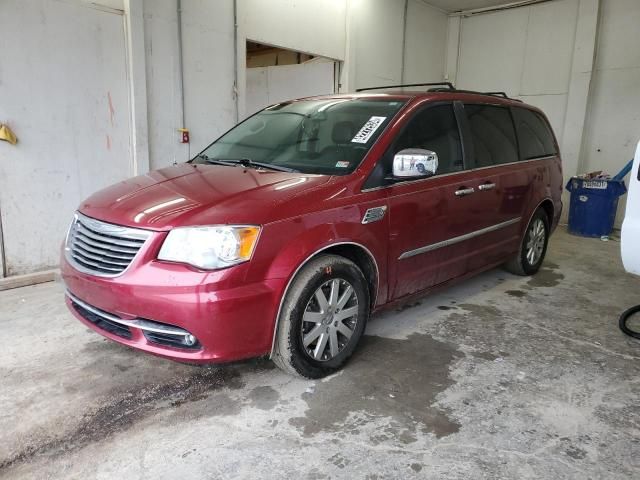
x: 435, y: 129
x: 534, y: 134
x: 493, y: 135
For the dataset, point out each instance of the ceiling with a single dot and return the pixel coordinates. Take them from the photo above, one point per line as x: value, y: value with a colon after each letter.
x: 458, y: 5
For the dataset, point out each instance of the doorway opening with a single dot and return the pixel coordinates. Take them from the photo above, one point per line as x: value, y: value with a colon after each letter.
x: 277, y: 74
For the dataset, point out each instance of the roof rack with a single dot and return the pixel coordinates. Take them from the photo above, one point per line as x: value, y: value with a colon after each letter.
x: 490, y: 94
x: 474, y: 92
x: 496, y: 94
x: 449, y: 86
x: 441, y: 87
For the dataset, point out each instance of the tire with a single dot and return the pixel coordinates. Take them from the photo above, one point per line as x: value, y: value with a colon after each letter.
x: 421, y: 168
x: 304, y: 320
x: 536, y: 236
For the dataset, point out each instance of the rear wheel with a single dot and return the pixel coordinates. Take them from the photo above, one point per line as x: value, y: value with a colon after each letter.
x: 323, y: 317
x: 533, y: 247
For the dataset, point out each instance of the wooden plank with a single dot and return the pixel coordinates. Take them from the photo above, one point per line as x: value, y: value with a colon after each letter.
x: 18, y: 281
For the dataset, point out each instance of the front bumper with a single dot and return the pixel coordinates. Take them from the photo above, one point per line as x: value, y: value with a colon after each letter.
x: 159, y: 304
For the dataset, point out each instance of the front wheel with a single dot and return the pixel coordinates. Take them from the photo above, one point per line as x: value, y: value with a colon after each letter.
x: 533, y: 247
x: 323, y: 317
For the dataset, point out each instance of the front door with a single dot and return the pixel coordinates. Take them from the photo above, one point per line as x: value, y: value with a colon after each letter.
x: 430, y: 218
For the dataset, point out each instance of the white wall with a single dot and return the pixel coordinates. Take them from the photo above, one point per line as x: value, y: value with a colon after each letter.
x: 534, y: 64
x: 64, y: 91
x: 375, y: 39
x: 368, y: 37
x: 613, y: 120
x: 208, y: 61
x: 273, y: 84
x: 425, y: 44
x: 375, y: 43
x: 548, y: 61
x: 316, y: 27
x: 542, y: 53
x: 208, y: 64
x: 164, y: 105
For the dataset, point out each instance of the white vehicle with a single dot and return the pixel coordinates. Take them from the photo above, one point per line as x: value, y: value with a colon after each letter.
x: 631, y: 224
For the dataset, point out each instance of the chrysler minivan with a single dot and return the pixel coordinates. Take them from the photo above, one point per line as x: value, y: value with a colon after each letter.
x: 285, y: 234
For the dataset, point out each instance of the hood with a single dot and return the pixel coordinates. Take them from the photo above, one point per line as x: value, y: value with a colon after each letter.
x: 187, y: 195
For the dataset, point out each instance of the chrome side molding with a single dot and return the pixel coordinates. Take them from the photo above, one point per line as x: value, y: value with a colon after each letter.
x: 461, y: 238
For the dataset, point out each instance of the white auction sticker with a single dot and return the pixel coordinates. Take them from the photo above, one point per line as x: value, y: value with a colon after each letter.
x: 597, y: 184
x: 368, y: 129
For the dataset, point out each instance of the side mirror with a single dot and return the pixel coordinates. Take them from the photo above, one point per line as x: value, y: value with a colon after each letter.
x: 415, y: 162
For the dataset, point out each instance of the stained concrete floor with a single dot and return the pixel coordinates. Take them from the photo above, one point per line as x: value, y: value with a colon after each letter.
x: 499, y: 377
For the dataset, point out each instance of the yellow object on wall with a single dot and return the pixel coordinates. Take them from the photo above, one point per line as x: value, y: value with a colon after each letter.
x: 7, y: 135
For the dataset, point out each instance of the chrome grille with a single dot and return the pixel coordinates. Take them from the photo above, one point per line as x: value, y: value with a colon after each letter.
x: 101, y: 248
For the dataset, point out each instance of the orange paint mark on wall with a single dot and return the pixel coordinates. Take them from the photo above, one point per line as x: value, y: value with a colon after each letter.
x: 112, y: 111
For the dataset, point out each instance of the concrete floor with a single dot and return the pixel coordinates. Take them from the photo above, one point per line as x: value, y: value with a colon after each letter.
x: 500, y: 377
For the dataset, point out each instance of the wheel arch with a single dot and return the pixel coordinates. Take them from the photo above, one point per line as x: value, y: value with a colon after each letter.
x: 549, y: 208
x: 357, y: 253
x: 547, y: 205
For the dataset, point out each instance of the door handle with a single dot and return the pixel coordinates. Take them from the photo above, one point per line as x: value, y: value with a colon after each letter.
x: 464, y: 191
x: 487, y: 186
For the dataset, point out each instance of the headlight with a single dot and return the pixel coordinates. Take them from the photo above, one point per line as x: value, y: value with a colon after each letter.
x: 210, y: 247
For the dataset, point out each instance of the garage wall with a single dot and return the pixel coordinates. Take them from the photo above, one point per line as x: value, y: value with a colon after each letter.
x: 366, y: 34
x: 71, y: 114
x: 273, y: 84
x: 613, y: 118
x: 164, y: 105
x: 425, y: 43
x: 208, y: 56
x: 208, y: 59
x: 548, y: 60
x: 316, y: 27
x: 310, y: 26
x: 534, y: 64
x: 208, y: 63
x: 575, y: 59
x: 376, y: 38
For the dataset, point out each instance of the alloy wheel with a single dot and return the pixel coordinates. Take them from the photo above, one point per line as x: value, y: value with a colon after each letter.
x: 329, y: 319
x: 536, y: 239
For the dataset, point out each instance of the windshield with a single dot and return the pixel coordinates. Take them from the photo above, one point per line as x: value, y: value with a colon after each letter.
x: 329, y: 136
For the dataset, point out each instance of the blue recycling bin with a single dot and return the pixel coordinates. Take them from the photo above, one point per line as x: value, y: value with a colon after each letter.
x: 593, y: 205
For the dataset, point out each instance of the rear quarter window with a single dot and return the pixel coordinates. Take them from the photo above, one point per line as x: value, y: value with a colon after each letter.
x: 534, y: 134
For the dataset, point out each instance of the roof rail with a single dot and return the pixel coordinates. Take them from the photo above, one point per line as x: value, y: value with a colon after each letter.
x: 503, y: 95
x: 496, y: 94
x: 474, y: 92
x: 449, y: 86
x: 438, y: 87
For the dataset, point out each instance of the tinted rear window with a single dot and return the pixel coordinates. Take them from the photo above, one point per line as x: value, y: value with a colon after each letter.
x: 493, y: 135
x: 534, y: 134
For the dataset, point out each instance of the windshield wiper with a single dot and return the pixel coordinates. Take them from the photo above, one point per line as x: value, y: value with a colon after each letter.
x: 215, y: 161
x: 248, y: 163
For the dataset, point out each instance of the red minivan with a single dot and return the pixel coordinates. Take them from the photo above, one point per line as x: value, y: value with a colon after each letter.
x: 286, y: 233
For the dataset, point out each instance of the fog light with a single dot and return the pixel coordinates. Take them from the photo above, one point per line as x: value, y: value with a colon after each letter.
x: 190, y: 340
